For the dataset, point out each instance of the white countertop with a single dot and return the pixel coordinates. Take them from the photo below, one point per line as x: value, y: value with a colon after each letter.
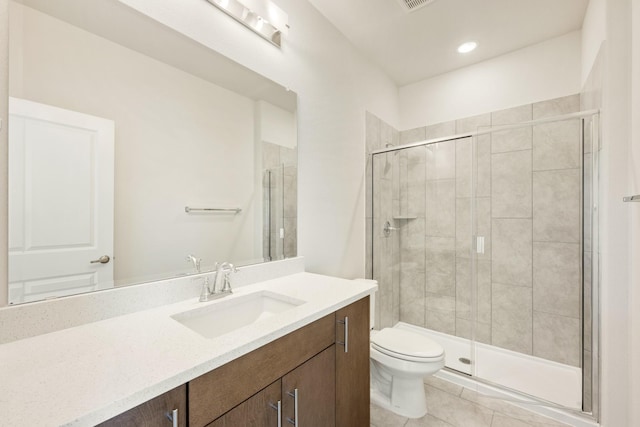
x: 87, y: 374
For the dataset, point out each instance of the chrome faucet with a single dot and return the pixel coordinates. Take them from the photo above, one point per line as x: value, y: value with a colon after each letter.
x: 195, y: 261
x: 210, y: 293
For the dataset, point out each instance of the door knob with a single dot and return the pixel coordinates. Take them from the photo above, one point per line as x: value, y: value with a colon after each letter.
x: 102, y: 260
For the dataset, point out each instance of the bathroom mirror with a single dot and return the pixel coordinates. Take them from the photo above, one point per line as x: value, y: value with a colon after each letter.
x: 132, y: 146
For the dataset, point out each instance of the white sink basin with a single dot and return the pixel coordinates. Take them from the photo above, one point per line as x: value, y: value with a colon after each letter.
x: 227, y: 315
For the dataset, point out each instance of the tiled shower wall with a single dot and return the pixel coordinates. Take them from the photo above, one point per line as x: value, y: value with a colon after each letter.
x: 527, y: 206
x: 280, y: 201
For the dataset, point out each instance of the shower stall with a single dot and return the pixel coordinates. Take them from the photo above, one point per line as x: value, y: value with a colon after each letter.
x: 486, y: 241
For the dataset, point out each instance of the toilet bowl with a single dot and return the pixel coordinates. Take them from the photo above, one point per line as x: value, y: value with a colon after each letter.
x: 399, y: 362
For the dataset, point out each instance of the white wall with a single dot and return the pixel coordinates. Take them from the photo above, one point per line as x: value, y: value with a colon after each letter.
x: 335, y: 85
x: 620, y: 323
x: 276, y: 125
x: 634, y: 188
x: 547, y: 70
x: 593, y: 34
x: 180, y: 140
x: 4, y: 100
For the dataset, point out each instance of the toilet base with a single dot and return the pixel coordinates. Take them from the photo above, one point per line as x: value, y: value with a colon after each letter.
x: 410, y: 396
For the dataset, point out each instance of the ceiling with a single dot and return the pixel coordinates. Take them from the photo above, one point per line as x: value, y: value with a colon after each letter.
x: 413, y: 46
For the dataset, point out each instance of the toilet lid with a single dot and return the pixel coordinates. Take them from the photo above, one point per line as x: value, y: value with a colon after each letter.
x: 407, y: 343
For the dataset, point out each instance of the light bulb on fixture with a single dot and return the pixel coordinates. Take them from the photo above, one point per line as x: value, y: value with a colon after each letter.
x: 467, y: 47
x: 259, y: 24
x: 224, y: 3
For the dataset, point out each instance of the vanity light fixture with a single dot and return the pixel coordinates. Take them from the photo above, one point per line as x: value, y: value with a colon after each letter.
x: 261, y: 16
x: 467, y: 47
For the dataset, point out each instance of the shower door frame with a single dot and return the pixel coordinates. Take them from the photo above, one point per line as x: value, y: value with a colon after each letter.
x: 596, y: 145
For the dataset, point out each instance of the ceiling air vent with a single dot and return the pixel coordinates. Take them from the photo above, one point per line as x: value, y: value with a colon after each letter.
x: 413, y: 5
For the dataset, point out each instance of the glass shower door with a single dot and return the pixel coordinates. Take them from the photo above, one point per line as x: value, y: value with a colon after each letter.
x: 530, y: 258
x: 422, y: 231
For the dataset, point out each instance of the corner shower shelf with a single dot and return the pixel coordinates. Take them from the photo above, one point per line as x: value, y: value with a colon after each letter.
x: 635, y: 198
x: 405, y: 217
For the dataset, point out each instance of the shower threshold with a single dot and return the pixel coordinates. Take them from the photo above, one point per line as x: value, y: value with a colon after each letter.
x: 544, y: 379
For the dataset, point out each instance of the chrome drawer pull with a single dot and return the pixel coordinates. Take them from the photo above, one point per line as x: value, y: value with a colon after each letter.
x: 345, y: 322
x: 173, y: 417
x: 295, y: 396
x: 278, y: 408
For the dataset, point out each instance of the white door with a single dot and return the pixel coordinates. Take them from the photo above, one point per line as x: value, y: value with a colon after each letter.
x: 61, y: 175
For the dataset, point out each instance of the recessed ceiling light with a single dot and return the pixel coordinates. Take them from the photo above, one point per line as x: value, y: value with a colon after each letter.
x: 467, y: 47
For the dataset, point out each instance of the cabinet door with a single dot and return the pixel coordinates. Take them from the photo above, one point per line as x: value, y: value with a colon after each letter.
x: 316, y: 392
x: 260, y: 410
x: 154, y: 412
x: 352, y: 365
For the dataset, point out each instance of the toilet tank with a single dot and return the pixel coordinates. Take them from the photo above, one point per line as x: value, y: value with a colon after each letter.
x: 372, y: 303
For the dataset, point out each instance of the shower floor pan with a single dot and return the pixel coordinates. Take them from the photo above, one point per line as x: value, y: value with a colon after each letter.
x: 541, y: 378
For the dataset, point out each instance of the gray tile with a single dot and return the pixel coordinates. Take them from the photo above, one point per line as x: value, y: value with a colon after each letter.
x: 483, y: 225
x: 556, y: 338
x: 427, y: 421
x: 512, y: 253
x: 441, y: 160
x: 463, y: 288
x: 511, y: 184
x: 586, y: 202
x: 372, y: 135
x: 440, y: 313
x: 512, y: 139
x: 413, y: 312
x: 415, y: 189
x: 556, y: 107
x: 587, y: 302
x: 473, y: 123
x: 440, y: 262
x: 387, y: 135
x: 444, y: 385
x: 290, y: 195
x: 270, y: 155
x: 456, y: 411
x: 509, y: 116
x: 383, y: 418
x: 504, y: 408
x: 412, y: 135
x: 289, y: 156
x: 464, y: 228
x: 483, y: 284
x: 482, y: 330
x: 556, y: 205
x: 511, y: 318
x: 440, y: 210
x: 483, y: 176
x: 587, y: 398
x: 440, y: 130
x: 464, y: 167
x: 500, y: 420
x: 557, y: 145
x: 290, y: 237
x: 556, y: 278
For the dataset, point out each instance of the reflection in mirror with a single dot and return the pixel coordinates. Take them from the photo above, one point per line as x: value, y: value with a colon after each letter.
x: 117, y: 124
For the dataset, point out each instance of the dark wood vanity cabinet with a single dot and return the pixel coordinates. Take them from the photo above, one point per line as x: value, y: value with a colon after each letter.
x: 322, y: 368
x: 158, y: 411
x: 352, y: 365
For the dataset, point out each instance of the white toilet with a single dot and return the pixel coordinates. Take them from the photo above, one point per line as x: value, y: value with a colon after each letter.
x: 400, y: 360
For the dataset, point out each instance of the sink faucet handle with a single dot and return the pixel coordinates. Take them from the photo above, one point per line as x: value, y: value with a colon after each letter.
x: 226, y: 288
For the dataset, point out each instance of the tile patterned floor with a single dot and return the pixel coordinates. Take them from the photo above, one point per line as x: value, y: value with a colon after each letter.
x: 451, y: 405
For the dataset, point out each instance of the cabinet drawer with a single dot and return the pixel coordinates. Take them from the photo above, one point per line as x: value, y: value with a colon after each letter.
x: 154, y: 412
x: 215, y: 393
